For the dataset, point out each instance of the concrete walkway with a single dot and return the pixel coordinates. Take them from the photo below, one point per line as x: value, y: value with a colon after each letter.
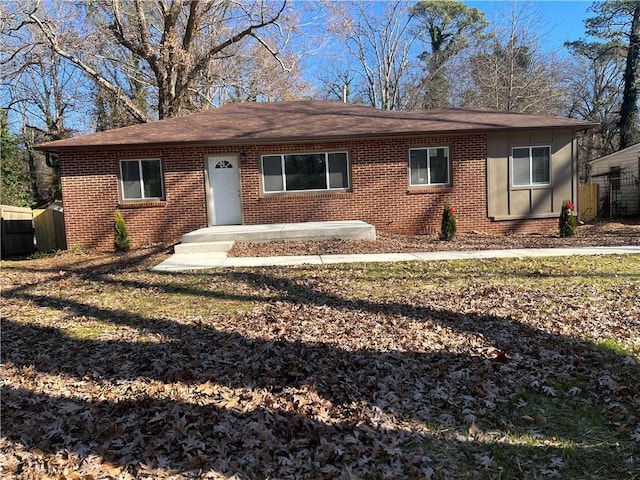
x: 195, y: 261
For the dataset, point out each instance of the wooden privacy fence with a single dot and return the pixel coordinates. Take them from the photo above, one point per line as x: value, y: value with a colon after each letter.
x: 588, y: 204
x: 49, y: 229
x: 24, y: 230
x: 17, y: 230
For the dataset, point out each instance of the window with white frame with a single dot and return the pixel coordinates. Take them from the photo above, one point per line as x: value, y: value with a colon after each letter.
x: 305, y: 172
x: 429, y: 166
x: 141, y: 179
x: 531, y: 166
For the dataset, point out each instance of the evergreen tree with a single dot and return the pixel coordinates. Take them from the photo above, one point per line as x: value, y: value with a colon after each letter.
x: 449, y: 224
x: 14, y: 169
x: 568, y: 221
x: 121, y: 238
x: 446, y: 27
x: 618, y: 23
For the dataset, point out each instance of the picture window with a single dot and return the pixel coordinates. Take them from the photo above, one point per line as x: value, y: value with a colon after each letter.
x: 305, y: 172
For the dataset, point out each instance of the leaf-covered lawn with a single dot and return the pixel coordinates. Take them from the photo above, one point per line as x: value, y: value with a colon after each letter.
x: 476, y: 369
x: 611, y: 233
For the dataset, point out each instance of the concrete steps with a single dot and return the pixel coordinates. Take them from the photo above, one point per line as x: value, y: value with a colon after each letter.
x: 220, y: 239
x: 204, y: 247
x: 355, y: 230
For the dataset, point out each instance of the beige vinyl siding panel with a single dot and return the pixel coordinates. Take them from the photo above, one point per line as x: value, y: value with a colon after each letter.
x: 520, y: 204
x: 498, y: 174
x: 506, y: 201
x: 563, y: 167
x: 541, y: 200
x: 627, y: 158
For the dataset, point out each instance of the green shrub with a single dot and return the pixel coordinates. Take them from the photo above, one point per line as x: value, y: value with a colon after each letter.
x: 568, y: 221
x: 122, y: 241
x: 448, y: 230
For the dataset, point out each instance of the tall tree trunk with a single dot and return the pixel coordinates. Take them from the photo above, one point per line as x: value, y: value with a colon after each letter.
x: 629, y: 109
x: 436, y: 85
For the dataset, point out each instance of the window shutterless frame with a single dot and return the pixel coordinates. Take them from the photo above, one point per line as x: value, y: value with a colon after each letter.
x: 531, y: 166
x: 429, y: 167
x: 141, y: 179
x: 305, y: 172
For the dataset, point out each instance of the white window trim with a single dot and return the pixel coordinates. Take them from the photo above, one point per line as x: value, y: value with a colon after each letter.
x: 284, y: 175
x: 429, y: 184
x: 531, y: 183
x: 142, y: 198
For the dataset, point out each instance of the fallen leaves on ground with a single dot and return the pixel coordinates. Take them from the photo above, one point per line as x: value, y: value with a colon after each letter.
x: 478, y: 369
x: 601, y: 234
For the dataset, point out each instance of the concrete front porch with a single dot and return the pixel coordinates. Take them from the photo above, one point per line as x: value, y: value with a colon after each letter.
x: 220, y: 238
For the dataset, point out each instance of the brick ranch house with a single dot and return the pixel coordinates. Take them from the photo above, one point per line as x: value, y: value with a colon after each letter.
x: 261, y: 163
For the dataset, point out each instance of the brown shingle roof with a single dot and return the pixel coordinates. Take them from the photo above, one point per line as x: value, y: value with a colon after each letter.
x: 307, y: 120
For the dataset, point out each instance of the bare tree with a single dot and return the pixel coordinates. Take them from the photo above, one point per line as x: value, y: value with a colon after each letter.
x: 256, y: 76
x: 37, y: 85
x: 380, y: 44
x: 512, y: 72
x: 339, y: 83
x: 174, y: 45
x: 595, y: 86
x: 40, y: 92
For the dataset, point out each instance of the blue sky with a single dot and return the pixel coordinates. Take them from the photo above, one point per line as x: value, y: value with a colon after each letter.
x: 563, y: 20
x: 552, y: 22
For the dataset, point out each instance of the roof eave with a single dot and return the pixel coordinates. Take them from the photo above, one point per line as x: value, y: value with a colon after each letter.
x: 305, y: 139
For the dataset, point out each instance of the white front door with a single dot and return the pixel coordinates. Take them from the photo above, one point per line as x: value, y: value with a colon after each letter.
x: 224, y: 191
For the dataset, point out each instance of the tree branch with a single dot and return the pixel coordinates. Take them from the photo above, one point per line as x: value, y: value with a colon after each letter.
x: 94, y: 74
x: 191, y: 27
x: 275, y: 54
x: 144, y: 30
x: 201, y: 65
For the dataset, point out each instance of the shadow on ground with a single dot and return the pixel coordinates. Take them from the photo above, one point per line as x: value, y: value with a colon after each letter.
x: 202, y: 399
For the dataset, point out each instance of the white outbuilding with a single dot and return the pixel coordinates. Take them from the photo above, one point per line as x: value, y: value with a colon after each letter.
x: 618, y: 176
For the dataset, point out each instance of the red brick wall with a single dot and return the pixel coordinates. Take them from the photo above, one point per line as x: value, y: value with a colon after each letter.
x: 90, y: 195
x: 379, y: 195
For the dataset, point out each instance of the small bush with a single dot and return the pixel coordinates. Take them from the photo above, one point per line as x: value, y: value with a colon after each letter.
x: 122, y: 241
x: 568, y: 221
x: 448, y: 230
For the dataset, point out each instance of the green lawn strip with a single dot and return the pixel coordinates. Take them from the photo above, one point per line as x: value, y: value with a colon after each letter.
x: 557, y: 273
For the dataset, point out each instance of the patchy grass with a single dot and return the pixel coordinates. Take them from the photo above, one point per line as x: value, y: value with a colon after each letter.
x: 570, y: 422
x: 86, y: 332
x: 515, y: 368
x: 619, y: 348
